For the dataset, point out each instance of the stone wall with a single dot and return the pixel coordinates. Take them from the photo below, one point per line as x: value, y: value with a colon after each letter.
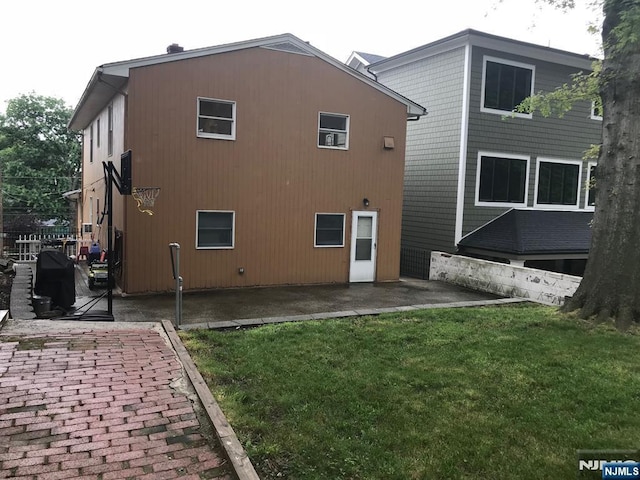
x: 540, y: 286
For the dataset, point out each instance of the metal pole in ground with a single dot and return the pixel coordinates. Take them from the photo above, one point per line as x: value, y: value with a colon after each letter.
x: 175, y: 265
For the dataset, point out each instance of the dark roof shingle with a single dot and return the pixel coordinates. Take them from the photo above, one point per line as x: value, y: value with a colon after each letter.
x: 534, y: 232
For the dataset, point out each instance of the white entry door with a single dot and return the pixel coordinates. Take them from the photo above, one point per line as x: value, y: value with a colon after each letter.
x: 364, y: 229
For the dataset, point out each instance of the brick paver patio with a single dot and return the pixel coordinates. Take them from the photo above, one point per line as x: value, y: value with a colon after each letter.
x: 100, y: 405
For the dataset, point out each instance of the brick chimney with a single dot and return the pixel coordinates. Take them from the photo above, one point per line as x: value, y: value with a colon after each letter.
x: 174, y: 48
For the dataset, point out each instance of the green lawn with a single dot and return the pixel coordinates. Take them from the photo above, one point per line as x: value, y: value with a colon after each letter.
x: 482, y: 393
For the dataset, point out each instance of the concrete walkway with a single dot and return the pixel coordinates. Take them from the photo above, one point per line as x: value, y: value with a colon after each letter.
x: 253, y: 306
x: 100, y: 401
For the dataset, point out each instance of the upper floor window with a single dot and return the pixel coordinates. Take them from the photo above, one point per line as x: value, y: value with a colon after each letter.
x: 505, y: 84
x: 591, y: 186
x: 216, y: 119
x: 502, y: 180
x: 91, y: 144
x: 215, y: 229
x: 333, y: 131
x: 98, y: 133
x: 329, y: 230
x: 110, y: 130
x: 558, y: 183
x: 596, y: 110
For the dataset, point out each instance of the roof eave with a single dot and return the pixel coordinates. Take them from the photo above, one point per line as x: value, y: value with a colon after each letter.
x: 100, y: 90
x: 477, y: 38
x: 95, y: 96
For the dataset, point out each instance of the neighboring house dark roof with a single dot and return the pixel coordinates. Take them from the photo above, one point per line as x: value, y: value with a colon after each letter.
x: 533, y: 232
x: 371, y: 57
x: 486, y: 40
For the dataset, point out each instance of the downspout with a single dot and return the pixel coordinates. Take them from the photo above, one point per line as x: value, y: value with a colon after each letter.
x: 375, y: 77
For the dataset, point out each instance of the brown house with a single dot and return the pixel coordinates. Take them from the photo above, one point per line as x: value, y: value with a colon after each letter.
x: 277, y: 165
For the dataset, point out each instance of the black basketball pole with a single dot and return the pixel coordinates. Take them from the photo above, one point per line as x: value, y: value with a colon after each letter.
x: 110, y: 169
x: 123, y: 184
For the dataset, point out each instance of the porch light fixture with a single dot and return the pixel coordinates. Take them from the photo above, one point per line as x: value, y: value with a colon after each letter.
x: 365, y: 202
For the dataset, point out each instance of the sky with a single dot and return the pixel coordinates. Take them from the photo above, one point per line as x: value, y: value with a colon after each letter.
x: 51, y: 47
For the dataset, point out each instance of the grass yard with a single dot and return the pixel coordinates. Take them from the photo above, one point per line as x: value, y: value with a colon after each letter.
x: 500, y: 393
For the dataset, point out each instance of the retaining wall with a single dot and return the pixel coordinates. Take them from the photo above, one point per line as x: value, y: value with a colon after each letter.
x: 549, y: 288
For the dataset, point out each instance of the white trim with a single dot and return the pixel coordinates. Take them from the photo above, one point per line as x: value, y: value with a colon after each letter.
x: 348, y: 125
x: 587, y: 207
x: 593, y: 112
x: 555, y: 206
x: 91, y: 143
x: 358, y: 58
x: 233, y: 229
x: 488, y: 58
x: 462, y: 158
x: 363, y: 270
x: 491, y: 42
x: 315, y: 230
x: 87, y: 228
x: 110, y: 130
x: 510, y: 156
x: 96, y: 93
x: 218, y: 136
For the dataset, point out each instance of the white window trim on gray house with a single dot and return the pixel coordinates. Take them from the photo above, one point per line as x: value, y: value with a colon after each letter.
x: 587, y: 182
x: 509, y: 156
x: 201, y: 246
x: 487, y: 58
x: 557, y: 206
x: 594, y: 115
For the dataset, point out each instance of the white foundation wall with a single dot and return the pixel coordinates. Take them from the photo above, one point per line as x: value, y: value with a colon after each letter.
x: 507, y: 280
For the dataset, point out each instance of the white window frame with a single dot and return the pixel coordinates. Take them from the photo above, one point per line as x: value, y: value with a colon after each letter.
x: 510, y: 156
x: 348, y: 128
x: 594, y: 116
x: 91, y: 143
x: 233, y: 119
x: 233, y: 230
x: 547, y: 206
x: 487, y: 58
x: 588, y: 207
x: 87, y: 228
x: 315, y: 230
x: 110, y: 130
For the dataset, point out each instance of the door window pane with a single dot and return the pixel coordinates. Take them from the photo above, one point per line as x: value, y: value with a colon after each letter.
x: 364, y: 227
x: 363, y: 249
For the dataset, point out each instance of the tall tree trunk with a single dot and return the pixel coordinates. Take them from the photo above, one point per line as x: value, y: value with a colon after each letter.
x: 611, y: 283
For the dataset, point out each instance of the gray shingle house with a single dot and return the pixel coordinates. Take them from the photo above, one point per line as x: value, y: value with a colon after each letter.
x: 470, y: 160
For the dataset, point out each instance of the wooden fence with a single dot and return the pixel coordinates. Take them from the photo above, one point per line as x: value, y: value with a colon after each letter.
x: 28, y: 246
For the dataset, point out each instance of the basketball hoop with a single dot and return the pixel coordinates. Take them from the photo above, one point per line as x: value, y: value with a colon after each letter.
x: 145, y: 197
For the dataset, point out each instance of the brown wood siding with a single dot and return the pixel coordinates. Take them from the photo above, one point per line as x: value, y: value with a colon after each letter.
x: 273, y: 175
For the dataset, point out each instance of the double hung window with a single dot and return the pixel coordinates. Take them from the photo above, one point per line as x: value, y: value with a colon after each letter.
x: 333, y: 131
x: 216, y: 119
